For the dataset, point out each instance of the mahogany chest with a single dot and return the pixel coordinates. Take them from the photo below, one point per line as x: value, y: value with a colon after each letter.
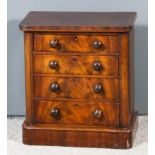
x: 79, y: 79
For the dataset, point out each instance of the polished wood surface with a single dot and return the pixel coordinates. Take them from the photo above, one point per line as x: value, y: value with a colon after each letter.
x: 76, y: 113
x: 79, y: 79
x: 81, y: 136
x: 77, y: 21
x: 28, y: 39
x: 76, y: 65
x: 76, y: 88
x: 76, y: 43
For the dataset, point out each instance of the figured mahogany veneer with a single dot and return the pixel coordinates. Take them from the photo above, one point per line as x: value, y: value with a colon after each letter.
x: 76, y: 65
x: 76, y: 113
x: 79, y: 79
x: 76, y: 43
x: 78, y: 88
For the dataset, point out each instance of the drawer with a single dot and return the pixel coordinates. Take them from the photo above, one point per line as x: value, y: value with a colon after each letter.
x: 76, y: 113
x: 76, y: 87
x: 76, y: 65
x: 76, y: 43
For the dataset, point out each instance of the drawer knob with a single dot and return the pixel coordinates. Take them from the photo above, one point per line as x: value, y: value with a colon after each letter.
x: 98, y: 88
x: 53, y: 64
x: 97, y: 65
x: 55, y: 113
x: 97, y: 113
x: 97, y: 44
x: 54, y: 43
x: 55, y: 87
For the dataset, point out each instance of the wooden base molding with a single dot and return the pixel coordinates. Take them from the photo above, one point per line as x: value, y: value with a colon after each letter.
x: 80, y: 136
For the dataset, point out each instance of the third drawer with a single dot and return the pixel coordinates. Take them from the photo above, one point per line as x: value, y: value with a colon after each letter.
x: 76, y: 88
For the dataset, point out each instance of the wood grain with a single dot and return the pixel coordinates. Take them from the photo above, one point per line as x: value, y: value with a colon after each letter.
x: 76, y: 87
x: 87, y: 106
x: 78, y: 21
x: 76, y: 43
x: 76, y: 113
x: 125, y: 88
x: 75, y: 65
x: 80, y: 136
x: 28, y: 76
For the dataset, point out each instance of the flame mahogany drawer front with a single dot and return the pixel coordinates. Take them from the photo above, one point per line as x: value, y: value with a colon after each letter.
x: 76, y: 64
x: 79, y: 79
x: 76, y: 43
x: 76, y: 113
x: 76, y: 88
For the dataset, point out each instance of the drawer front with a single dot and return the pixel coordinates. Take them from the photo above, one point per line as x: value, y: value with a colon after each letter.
x: 75, y: 87
x: 76, y: 113
x: 76, y: 65
x: 76, y: 43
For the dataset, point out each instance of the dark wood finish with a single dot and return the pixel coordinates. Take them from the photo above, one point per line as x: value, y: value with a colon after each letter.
x: 81, y: 136
x: 76, y: 43
x: 79, y: 79
x: 79, y: 21
x: 131, y: 72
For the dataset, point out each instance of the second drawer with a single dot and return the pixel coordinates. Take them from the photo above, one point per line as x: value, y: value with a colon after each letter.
x: 76, y: 64
x: 76, y: 88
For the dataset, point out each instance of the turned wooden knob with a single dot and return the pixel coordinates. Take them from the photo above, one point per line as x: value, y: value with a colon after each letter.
x: 97, y: 65
x: 97, y: 113
x: 98, y: 88
x: 97, y: 44
x: 55, y: 87
x: 55, y: 113
x: 54, y: 43
x: 53, y: 64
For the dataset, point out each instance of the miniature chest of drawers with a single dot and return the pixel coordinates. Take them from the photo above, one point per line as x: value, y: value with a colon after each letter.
x: 79, y: 79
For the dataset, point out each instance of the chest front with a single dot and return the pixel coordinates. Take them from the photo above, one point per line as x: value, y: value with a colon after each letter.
x: 79, y: 79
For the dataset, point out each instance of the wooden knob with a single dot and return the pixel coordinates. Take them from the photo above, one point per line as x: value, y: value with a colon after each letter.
x: 98, y: 88
x: 97, y: 65
x: 54, y: 43
x: 55, y: 87
x: 55, y: 113
x: 97, y: 44
x: 53, y: 64
x: 97, y: 113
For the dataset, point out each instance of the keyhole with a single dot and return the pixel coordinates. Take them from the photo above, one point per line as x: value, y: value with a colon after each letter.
x: 75, y: 38
x: 75, y: 59
x: 75, y: 104
x: 75, y: 81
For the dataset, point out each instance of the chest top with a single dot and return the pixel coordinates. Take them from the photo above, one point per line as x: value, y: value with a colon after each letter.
x: 78, y: 21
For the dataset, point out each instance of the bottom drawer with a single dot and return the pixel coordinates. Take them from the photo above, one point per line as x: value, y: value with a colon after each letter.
x: 76, y: 113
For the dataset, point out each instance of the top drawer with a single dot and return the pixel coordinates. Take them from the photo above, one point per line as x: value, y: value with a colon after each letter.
x: 76, y: 43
